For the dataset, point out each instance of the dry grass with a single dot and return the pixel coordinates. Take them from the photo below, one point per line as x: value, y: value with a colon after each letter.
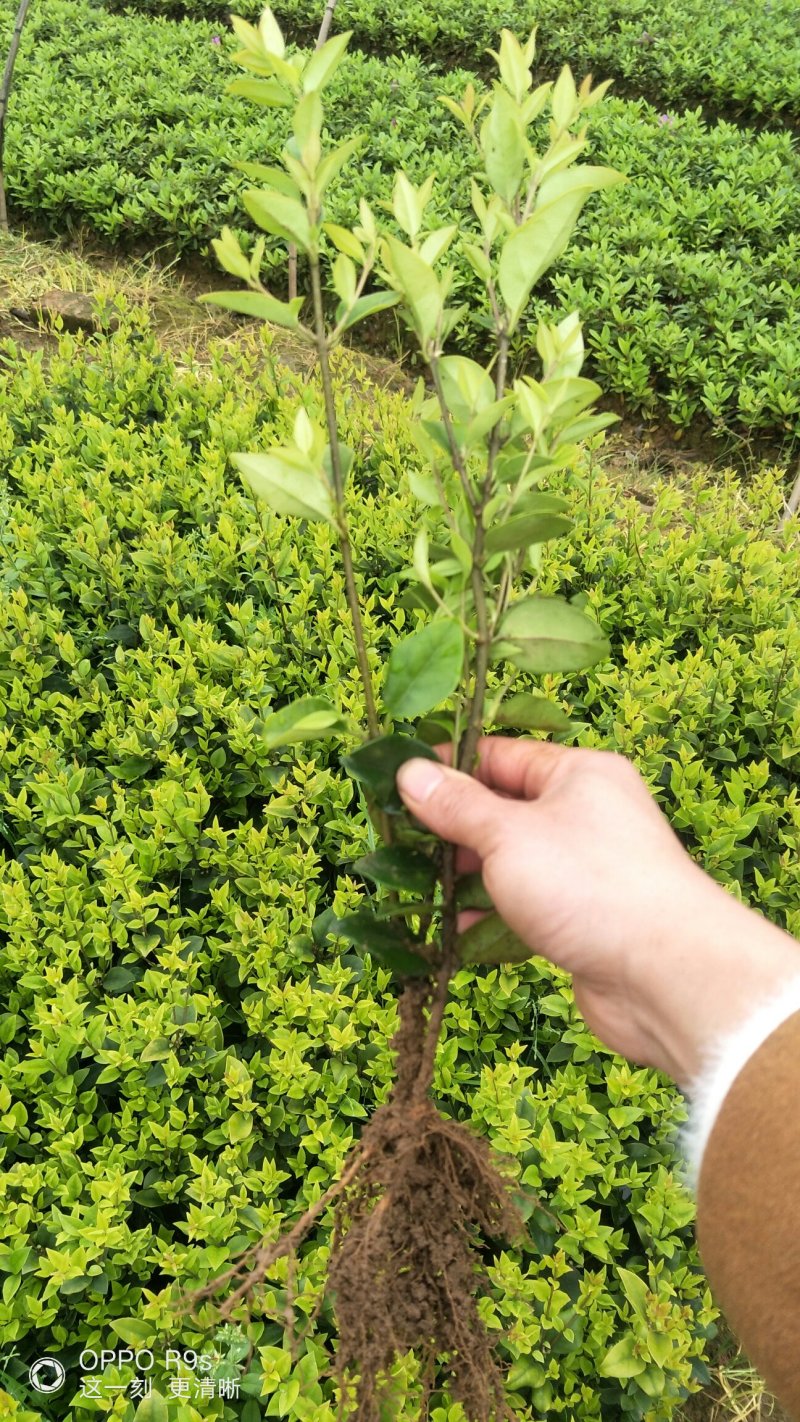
x: 185, y: 327
x: 735, y: 1394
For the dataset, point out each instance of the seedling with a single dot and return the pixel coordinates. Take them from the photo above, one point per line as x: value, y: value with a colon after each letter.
x: 419, y: 1189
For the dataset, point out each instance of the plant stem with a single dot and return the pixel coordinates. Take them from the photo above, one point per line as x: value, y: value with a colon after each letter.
x: 5, y: 90
x: 338, y: 489
x: 477, y: 707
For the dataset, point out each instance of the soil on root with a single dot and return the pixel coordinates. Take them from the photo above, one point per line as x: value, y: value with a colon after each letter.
x: 418, y: 1196
x: 404, y: 1269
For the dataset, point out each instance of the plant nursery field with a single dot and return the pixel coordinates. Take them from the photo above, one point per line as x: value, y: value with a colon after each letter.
x: 187, y: 1059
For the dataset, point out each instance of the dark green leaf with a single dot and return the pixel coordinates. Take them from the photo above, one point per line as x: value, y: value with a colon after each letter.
x: 532, y: 713
x: 492, y: 941
x: 323, y: 926
x: 424, y: 669
x: 471, y: 893
x: 398, y: 869
x: 435, y: 730
x: 386, y: 942
x: 118, y: 980
x: 375, y: 766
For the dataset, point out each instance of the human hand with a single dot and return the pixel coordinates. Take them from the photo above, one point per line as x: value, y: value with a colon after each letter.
x: 583, y: 866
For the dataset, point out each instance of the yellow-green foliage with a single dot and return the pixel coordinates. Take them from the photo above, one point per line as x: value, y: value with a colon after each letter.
x: 183, y: 1068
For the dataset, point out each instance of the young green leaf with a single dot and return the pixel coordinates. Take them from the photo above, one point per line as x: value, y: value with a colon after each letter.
x: 309, y: 719
x: 258, y: 304
x: 375, y: 766
x: 397, y: 868
x: 368, y: 305
x: 525, y: 529
x: 281, y: 480
x: 266, y: 92
x: 546, y: 634
x: 324, y: 62
x: 424, y: 668
x: 532, y: 713
x: 279, y: 215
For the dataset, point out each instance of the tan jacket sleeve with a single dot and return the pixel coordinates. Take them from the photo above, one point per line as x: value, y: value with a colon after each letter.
x: 748, y: 1211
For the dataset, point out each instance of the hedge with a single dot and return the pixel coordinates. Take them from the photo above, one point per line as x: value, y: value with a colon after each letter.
x: 687, y: 276
x: 183, y: 1068
x: 737, y: 59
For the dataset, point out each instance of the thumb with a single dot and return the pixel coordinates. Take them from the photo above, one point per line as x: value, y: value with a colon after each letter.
x: 455, y: 806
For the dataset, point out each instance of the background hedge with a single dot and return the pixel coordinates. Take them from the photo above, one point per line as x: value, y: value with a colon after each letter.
x: 183, y: 1068
x: 688, y: 276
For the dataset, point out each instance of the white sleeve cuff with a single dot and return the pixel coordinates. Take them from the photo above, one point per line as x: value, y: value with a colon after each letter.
x: 724, y: 1060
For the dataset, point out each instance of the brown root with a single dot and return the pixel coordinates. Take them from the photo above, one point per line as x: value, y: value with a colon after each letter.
x: 417, y: 1195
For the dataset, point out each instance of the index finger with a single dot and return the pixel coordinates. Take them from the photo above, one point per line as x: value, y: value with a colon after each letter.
x: 514, y: 766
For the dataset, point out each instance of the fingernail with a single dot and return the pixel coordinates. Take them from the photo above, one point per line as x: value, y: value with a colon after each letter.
x: 417, y: 779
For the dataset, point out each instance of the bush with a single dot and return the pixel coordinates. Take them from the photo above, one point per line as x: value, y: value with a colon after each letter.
x: 687, y: 277
x: 733, y: 59
x: 182, y: 1072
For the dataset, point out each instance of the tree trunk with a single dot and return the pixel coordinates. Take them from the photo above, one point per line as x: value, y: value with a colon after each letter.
x: 5, y: 90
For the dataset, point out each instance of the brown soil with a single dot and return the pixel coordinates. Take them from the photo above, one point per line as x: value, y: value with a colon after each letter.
x: 404, y: 1270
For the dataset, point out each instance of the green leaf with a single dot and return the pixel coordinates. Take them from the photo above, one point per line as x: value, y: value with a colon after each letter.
x: 471, y: 892
x: 504, y: 146
x: 532, y: 713
x: 309, y: 719
x: 152, y: 1409
x: 375, y: 766
x: 324, y: 62
x: 661, y: 1347
x: 156, y: 1050
x: 419, y: 287
x: 134, y: 1331
x: 424, y: 668
x: 271, y: 177
x: 540, y: 241
x: 344, y: 241
x: 547, y: 634
x: 492, y: 941
x: 384, y: 941
x: 620, y: 1362
x: 118, y: 980
x: 287, y: 484
x: 258, y: 304
x: 368, y: 305
x: 323, y: 925
x: 525, y: 529
x: 230, y: 255
x: 398, y: 868
x: 280, y: 215
x: 240, y: 1126
x: 266, y: 92
x: 635, y: 1289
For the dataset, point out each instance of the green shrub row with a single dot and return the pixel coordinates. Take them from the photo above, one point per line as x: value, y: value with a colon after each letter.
x: 687, y: 276
x: 183, y: 1068
x: 732, y: 59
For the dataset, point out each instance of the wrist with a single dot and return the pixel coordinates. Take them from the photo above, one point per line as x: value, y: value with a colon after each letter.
x: 714, y: 963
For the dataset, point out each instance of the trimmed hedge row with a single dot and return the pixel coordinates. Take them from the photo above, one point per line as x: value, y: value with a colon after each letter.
x: 183, y: 1069
x: 736, y: 59
x: 687, y: 276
